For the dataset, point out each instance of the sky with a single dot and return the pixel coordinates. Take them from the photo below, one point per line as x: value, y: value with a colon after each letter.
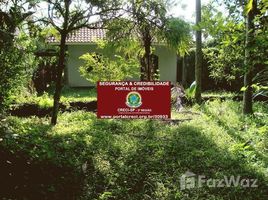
x: 185, y: 9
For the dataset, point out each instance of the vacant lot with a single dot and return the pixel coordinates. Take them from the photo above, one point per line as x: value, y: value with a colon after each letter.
x: 86, y: 158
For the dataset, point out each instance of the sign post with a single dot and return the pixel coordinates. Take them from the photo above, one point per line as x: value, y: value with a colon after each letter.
x: 133, y: 100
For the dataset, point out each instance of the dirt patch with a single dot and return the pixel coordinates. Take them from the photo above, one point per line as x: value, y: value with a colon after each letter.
x: 87, y: 106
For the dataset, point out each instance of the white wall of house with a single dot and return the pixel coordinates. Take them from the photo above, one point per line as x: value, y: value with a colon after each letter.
x: 167, y: 63
x: 74, y: 78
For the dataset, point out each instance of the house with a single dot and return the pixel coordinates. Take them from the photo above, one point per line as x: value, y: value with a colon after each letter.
x: 84, y: 41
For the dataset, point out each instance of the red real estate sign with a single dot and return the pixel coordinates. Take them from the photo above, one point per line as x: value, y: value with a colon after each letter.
x: 133, y: 100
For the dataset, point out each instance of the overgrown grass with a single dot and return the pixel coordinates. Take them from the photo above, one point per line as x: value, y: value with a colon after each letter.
x: 217, y: 94
x: 137, y: 159
x: 68, y: 95
x: 79, y: 94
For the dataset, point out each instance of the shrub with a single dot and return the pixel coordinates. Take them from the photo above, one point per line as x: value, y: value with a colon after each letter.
x: 16, y: 67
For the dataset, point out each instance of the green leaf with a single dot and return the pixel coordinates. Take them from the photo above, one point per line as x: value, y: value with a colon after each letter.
x: 190, y: 92
x: 249, y: 6
x: 243, y: 89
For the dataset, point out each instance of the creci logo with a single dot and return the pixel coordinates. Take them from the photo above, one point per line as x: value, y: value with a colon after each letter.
x: 133, y: 100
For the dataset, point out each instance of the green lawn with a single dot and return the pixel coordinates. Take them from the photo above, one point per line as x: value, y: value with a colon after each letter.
x: 86, y: 158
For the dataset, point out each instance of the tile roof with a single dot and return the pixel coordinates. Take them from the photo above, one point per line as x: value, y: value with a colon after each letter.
x: 83, y: 35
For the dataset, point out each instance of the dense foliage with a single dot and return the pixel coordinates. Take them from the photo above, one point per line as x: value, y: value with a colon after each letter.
x: 115, y: 62
x: 16, y: 48
x: 16, y: 68
x: 225, y: 46
x: 237, y: 46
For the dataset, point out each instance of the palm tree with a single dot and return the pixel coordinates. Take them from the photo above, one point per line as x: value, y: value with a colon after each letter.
x: 198, y: 53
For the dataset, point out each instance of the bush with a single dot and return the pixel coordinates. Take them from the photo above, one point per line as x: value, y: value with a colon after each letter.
x: 101, y: 68
x: 114, y: 64
x: 16, y: 68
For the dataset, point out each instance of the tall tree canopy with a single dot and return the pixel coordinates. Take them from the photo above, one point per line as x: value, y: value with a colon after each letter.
x: 148, y: 22
x: 12, y: 15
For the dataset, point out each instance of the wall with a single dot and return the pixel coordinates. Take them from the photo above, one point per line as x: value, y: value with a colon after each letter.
x: 74, y: 79
x: 167, y: 64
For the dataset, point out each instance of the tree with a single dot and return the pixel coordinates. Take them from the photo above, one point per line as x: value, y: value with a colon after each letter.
x: 147, y: 22
x: 16, y: 52
x: 12, y: 15
x: 115, y: 63
x: 224, y: 46
x: 239, y: 49
x: 67, y: 16
x: 256, y: 29
x: 261, y: 37
x: 249, y: 59
x: 198, y: 53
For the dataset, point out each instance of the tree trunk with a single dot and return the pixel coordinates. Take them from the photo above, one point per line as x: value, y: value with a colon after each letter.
x: 142, y: 69
x: 147, y: 43
x: 148, y: 63
x: 155, y: 67
x: 184, y: 71
x: 59, y: 71
x: 198, y: 54
x: 247, y: 95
